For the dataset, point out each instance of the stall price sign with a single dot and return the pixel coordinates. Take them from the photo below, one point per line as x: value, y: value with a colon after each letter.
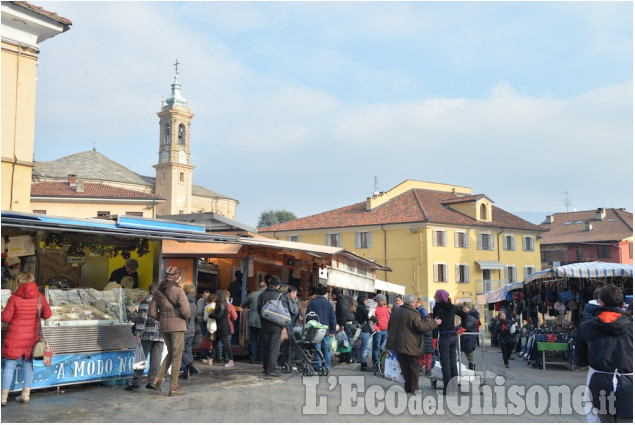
x: 20, y: 246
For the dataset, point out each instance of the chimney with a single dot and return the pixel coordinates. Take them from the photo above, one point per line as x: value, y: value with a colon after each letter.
x: 72, y: 180
x: 80, y: 186
x: 550, y: 219
x: 600, y: 214
x: 589, y: 226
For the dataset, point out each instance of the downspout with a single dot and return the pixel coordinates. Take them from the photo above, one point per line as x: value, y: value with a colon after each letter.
x: 15, y: 128
x: 385, y: 253
x: 498, y: 250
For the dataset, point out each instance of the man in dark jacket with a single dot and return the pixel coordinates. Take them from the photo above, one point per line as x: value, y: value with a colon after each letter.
x: 405, y: 336
x: 344, y: 316
x: 325, y: 311
x: 605, y: 344
x: 469, y: 342
x: 127, y: 275
x: 236, y: 288
x: 271, y: 333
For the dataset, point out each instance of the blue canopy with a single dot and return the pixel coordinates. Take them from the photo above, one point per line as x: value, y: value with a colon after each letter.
x: 582, y: 270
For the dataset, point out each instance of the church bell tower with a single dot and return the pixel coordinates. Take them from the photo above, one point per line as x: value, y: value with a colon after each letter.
x: 173, y: 171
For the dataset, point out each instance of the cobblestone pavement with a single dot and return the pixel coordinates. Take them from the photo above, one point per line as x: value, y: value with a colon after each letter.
x: 242, y: 394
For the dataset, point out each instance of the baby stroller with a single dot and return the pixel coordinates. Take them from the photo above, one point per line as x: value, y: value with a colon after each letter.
x: 303, y: 352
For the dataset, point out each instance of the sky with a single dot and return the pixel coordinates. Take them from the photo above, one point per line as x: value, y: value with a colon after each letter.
x: 312, y: 106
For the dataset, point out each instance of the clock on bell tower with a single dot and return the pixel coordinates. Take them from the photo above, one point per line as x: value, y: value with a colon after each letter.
x: 173, y: 171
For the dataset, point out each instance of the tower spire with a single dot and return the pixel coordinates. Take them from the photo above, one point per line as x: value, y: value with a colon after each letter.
x: 175, y: 97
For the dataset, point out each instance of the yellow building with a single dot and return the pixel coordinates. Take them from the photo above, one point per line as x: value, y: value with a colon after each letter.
x: 24, y: 27
x: 431, y: 235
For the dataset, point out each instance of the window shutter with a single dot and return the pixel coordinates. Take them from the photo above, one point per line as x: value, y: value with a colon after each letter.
x: 436, y: 272
x: 434, y: 238
x: 513, y: 248
x: 357, y: 240
x: 467, y: 273
x: 370, y: 240
x: 467, y: 240
x: 480, y: 241
x: 458, y: 272
x: 339, y: 240
x: 456, y: 239
x: 532, y: 243
x: 506, y: 274
x: 505, y: 244
x: 491, y: 245
x: 445, y: 273
x: 515, y: 275
x: 327, y: 240
x: 445, y: 238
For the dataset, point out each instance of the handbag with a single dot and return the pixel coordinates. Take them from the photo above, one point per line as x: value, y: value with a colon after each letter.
x: 207, y: 343
x: 42, y: 350
x: 140, y: 359
x: 274, y: 311
x: 370, y: 326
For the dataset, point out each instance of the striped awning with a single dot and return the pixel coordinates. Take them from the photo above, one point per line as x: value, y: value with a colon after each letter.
x: 490, y: 265
x: 584, y: 270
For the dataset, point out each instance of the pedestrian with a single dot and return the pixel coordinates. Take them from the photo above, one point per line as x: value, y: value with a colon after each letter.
x: 398, y: 301
x: 405, y: 337
x: 207, y: 354
x: 146, y: 330
x: 368, y: 321
x: 447, y: 341
x: 171, y: 308
x: 381, y: 327
x: 271, y: 333
x: 200, y: 317
x: 505, y: 329
x: 605, y: 344
x: 469, y: 342
x: 251, y: 303
x: 344, y: 317
x: 236, y: 288
x: 223, y: 328
x: 291, y: 302
x: 326, y: 313
x: 127, y: 275
x: 591, y: 306
x: 232, y: 315
x: 21, y: 313
x: 425, y: 362
x: 187, y: 366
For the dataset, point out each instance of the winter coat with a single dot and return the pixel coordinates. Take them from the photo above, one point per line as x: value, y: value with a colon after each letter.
x: 221, y: 315
x: 427, y: 336
x: 361, y: 317
x: 292, y: 306
x: 21, y: 314
x: 503, y: 330
x: 383, y: 316
x: 268, y: 294
x: 169, y: 296
x: 252, y: 303
x: 344, y: 310
x: 325, y: 311
x: 605, y: 343
x: 446, y: 312
x: 468, y: 342
x: 232, y: 314
x: 589, y: 310
x: 191, y: 321
x: 405, y: 331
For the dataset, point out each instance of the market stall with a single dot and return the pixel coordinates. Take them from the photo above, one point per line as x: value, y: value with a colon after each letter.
x: 90, y: 329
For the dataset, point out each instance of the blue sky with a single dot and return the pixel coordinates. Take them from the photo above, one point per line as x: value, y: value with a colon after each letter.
x: 299, y: 105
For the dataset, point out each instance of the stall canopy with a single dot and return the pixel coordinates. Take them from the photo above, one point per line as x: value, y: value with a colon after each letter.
x: 584, y: 270
x: 498, y: 295
x: 382, y: 285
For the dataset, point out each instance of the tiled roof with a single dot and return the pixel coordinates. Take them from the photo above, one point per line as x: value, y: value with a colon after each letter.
x: 414, y: 206
x: 43, y: 12
x: 617, y: 225
x: 92, y: 165
x: 459, y: 199
x: 91, y: 190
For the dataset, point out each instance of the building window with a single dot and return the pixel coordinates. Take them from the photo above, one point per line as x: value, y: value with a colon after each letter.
x: 363, y: 240
x: 39, y: 211
x: 509, y: 243
x: 486, y: 241
x: 483, y: 212
x: 333, y: 239
x: 293, y: 238
x: 510, y: 274
x: 545, y: 256
x: 168, y: 130
x: 181, y: 134
x: 461, y: 240
x: 529, y: 243
x: 462, y: 273
x: 182, y: 177
x: 439, y: 238
x: 440, y: 272
x: 579, y: 251
x: 103, y: 213
x: 134, y: 213
x: 529, y: 270
x: 604, y: 251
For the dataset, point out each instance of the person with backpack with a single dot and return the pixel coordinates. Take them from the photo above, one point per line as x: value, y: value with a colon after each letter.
x: 271, y: 332
x: 325, y: 311
x: 368, y: 321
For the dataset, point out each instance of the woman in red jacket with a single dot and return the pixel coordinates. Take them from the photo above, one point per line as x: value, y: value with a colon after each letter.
x: 22, y: 333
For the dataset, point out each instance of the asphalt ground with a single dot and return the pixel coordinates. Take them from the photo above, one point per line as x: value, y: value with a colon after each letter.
x: 242, y: 394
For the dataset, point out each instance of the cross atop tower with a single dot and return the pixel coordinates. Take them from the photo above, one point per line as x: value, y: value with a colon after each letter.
x: 176, y: 66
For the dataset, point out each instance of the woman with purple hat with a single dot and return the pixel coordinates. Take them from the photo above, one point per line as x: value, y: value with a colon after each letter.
x: 447, y: 336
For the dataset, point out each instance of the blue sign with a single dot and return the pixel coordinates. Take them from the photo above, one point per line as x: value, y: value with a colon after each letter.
x: 77, y: 368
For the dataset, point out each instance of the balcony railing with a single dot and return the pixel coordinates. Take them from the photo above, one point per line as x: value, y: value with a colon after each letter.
x: 489, y: 285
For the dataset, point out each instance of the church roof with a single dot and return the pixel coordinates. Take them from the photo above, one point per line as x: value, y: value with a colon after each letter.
x: 87, y: 190
x: 92, y: 165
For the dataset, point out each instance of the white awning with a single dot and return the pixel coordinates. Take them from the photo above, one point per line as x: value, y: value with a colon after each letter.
x: 342, y: 279
x: 382, y: 285
x: 490, y: 265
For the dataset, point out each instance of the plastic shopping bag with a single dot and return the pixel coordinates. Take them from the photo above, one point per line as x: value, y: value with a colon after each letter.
x: 392, y: 370
x: 140, y: 359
